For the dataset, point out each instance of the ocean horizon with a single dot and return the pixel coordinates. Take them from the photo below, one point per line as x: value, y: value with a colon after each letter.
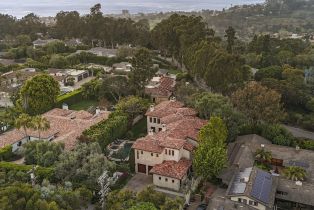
x: 20, y: 8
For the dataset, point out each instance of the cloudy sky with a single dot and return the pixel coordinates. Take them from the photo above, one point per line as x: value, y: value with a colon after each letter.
x: 51, y: 7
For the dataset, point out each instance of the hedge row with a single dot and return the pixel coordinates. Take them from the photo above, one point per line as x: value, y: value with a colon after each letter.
x: 41, y: 172
x: 6, y: 153
x: 70, y: 98
x: 108, y: 130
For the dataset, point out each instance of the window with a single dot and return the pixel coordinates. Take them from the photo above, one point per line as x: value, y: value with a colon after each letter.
x: 239, y: 200
x: 255, y: 203
x: 19, y: 143
x: 172, y: 181
x: 141, y: 152
x: 150, y: 119
x: 250, y: 202
x: 165, y: 151
x: 158, y: 121
x: 281, y: 193
x: 151, y: 154
x: 172, y: 152
x: 157, y: 155
x: 244, y: 201
x: 159, y: 178
x: 159, y: 129
x: 166, y: 179
x: 155, y: 120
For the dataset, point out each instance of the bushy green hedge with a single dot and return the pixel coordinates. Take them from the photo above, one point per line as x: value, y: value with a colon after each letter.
x: 108, y: 130
x: 70, y: 98
x: 6, y: 153
x: 22, y: 171
x: 305, y: 144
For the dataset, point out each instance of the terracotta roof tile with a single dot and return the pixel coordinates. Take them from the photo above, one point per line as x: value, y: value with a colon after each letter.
x: 172, y: 169
x: 65, y: 125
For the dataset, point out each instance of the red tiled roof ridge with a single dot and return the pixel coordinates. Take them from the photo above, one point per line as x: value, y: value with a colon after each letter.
x: 172, y: 169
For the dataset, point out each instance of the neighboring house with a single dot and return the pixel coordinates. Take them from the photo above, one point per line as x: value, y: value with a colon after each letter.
x: 241, y: 160
x: 122, y: 67
x: 11, y: 81
x: 63, y: 76
x: 161, y: 88
x: 105, y: 52
x: 42, y: 42
x: 167, y: 155
x: 73, y: 42
x: 65, y: 126
x: 253, y: 187
x: 106, y: 69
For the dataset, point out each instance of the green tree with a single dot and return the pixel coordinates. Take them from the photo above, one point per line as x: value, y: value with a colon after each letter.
x: 58, y: 61
x: 23, y: 121
x: 263, y: 156
x: 211, y: 154
x: 40, y: 124
x: 258, y: 103
x: 42, y: 153
x: 142, y: 70
x: 143, y: 206
x: 38, y: 94
x: 295, y: 173
x: 230, y: 35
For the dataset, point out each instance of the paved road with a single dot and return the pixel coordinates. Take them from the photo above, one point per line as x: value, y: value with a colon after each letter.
x: 300, y: 133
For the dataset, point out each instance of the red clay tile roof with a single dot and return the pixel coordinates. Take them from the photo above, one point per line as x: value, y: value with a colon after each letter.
x: 148, y: 145
x: 188, y: 146
x: 186, y: 128
x: 164, y: 109
x: 180, y: 114
x: 65, y: 125
x: 165, y: 88
x: 172, y: 169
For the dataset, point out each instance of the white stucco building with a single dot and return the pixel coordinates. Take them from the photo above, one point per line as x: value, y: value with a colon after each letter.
x: 166, y: 152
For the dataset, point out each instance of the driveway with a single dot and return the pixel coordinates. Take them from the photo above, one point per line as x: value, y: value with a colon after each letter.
x: 139, y: 182
x: 299, y: 133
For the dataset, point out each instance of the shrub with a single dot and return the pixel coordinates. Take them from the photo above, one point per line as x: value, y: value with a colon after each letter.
x: 70, y: 98
x: 14, y: 170
x: 6, y: 153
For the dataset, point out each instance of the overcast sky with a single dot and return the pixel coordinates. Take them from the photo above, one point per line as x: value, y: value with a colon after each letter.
x: 51, y: 7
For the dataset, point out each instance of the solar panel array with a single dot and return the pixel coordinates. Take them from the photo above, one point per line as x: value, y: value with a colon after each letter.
x: 299, y: 164
x: 262, y: 186
x: 238, y: 186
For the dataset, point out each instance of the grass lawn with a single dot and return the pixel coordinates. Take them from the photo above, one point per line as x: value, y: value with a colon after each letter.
x: 83, y: 105
x: 139, y: 129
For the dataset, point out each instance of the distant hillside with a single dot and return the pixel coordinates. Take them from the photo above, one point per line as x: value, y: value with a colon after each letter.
x: 275, y: 16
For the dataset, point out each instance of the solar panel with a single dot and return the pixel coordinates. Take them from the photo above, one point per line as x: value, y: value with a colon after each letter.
x: 299, y: 164
x: 262, y: 186
x: 238, y: 186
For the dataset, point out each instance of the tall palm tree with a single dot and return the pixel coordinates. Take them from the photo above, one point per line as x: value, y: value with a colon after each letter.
x: 40, y: 124
x: 262, y: 155
x: 294, y: 173
x: 23, y: 121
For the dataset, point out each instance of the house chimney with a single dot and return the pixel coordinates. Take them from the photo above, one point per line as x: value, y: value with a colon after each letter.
x: 97, y: 111
x: 65, y: 106
x: 164, y: 127
x: 151, y: 108
x: 151, y: 132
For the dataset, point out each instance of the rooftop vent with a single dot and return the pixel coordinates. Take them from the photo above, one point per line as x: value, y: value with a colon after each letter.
x: 298, y: 183
x: 65, y: 106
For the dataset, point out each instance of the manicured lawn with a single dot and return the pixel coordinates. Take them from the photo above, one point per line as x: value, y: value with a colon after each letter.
x: 83, y: 105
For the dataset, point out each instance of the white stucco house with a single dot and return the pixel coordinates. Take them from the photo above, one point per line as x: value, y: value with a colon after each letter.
x: 166, y: 152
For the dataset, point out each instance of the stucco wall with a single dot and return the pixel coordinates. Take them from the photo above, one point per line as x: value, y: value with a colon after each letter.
x: 259, y: 206
x: 171, y: 183
x: 157, y: 126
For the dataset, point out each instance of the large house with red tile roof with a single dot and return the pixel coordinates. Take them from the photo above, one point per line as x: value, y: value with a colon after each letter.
x: 161, y: 88
x: 166, y: 152
x: 65, y: 126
